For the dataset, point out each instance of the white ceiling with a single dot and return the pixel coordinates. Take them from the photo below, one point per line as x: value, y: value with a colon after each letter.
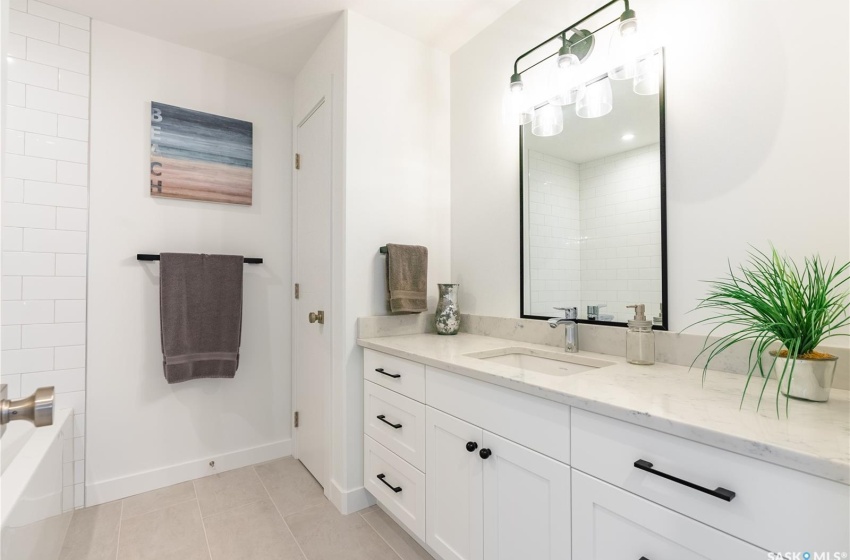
x: 280, y: 35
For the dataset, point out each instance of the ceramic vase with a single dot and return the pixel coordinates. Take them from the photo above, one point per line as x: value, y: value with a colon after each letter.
x: 448, y: 315
x: 810, y: 381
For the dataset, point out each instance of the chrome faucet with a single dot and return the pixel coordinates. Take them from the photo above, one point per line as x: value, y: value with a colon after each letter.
x: 570, y: 327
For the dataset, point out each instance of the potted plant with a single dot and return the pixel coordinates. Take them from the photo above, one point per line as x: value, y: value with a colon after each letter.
x: 785, y: 310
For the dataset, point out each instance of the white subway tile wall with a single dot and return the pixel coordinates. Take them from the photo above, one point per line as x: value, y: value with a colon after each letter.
x: 621, y: 232
x: 554, y: 236
x: 45, y: 217
x: 595, y: 233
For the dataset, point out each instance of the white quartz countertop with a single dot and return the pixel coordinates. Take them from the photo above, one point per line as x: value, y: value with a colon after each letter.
x: 813, y: 438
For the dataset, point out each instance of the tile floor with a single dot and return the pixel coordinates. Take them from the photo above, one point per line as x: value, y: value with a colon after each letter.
x: 271, y: 511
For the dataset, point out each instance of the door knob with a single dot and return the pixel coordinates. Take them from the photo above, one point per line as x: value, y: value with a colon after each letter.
x: 317, y: 317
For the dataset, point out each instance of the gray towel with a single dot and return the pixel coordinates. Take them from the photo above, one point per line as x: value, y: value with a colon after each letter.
x: 200, y: 306
x: 407, y: 278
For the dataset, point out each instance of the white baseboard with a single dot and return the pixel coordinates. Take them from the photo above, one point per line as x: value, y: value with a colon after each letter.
x: 130, y: 485
x: 349, y: 501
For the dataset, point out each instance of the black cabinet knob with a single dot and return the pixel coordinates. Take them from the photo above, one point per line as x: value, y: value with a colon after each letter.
x: 484, y: 453
x: 471, y: 446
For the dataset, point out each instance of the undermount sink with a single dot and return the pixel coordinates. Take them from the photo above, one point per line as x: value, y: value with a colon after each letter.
x: 541, y: 361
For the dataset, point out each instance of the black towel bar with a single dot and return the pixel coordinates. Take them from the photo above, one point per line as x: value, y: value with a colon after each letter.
x: 146, y: 257
x: 383, y: 250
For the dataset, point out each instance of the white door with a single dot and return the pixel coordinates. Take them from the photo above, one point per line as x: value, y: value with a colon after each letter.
x: 526, y: 503
x: 612, y: 524
x: 312, y: 274
x: 453, y: 487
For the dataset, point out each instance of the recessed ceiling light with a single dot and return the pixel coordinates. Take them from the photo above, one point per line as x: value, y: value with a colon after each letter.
x: 628, y: 136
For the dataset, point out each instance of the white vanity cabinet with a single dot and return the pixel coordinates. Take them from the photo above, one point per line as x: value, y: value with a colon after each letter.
x: 612, y: 524
x: 776, y: 508
x: 496, y: 482
x: 488, y: 497
x: 453, y: 487
x: 478, y: 471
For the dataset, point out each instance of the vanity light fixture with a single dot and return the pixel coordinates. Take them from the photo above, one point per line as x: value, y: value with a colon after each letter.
x: 566, y: 85
x: 647, y: 70
x: 625, y: 47
x: 517, y: 107
x: 598, y: 100
x: 548, y: 120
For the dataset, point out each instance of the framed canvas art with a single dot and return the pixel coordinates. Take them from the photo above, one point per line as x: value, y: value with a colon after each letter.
x: 199, y: 156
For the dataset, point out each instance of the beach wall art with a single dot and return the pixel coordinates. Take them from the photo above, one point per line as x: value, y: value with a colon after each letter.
x: 199, y: 156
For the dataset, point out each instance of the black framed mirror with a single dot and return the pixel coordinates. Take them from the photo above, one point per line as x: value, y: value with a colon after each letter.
x: 593, y: 201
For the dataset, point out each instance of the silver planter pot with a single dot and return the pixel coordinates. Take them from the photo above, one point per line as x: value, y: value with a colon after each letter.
x: 811, y: 380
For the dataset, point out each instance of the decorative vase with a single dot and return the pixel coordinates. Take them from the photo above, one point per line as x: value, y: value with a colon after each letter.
x: 448, y: 315
x: 811, y: 380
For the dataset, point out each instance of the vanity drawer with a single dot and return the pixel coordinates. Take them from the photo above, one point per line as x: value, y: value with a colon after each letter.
x: 773, y: 507
x: 396, y: 422
x: 396, y: 484
x: 398, y: 374
x: 611, y: 524
x: 536, y: 423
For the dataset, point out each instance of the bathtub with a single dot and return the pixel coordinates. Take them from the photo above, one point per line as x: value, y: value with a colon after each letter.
x: 33, y: 524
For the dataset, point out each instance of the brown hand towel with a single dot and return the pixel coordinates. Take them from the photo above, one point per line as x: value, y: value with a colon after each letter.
x: 407, y: 278
x: 200, y: 306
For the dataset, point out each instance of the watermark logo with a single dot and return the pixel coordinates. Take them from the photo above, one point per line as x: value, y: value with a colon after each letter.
x: 807, y: 556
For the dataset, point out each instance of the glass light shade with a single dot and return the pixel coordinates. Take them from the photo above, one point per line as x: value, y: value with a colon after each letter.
x: 647, y: 75
x: 548, y: 121
x: 598, y: 100
x: 516, y: 106
x: 623, y: 50
x: 565, y: 84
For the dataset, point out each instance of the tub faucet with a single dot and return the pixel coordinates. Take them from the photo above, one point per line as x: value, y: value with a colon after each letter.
x: 570, y: 327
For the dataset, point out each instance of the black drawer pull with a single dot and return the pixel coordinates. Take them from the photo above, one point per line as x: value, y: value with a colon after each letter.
x: 383, y: 419
x: 393, y: 375
x: 395, y: 489
x: 721, y: 493
x: 485, y: 453
x: 471, y: 446
x: 644, y: 558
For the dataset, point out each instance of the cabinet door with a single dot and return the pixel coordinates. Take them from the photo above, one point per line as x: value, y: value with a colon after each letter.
x: 612, y: 524
x: 453, y: 487
x: 526, y: 503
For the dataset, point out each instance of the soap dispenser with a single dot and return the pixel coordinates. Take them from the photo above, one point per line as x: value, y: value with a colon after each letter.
x: 640, y: 340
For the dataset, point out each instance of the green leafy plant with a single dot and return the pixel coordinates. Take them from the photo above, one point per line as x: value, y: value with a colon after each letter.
x: 771, y: 300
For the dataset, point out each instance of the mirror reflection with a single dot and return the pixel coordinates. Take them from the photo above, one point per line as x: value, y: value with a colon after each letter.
x: 592, y: 201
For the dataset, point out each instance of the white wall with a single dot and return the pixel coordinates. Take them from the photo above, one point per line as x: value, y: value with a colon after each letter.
x: 44, y: 203
x: 397, y: 186
x: 757, y: 140
x: 142, y: 432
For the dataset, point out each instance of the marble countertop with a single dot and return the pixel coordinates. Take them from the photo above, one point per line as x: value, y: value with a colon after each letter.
x: 814, y: 438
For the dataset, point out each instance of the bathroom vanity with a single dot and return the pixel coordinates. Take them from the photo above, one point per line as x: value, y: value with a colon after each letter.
x: 491, y: 448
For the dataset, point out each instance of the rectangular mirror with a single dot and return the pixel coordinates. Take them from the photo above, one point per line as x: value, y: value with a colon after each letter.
x: 592, y: 208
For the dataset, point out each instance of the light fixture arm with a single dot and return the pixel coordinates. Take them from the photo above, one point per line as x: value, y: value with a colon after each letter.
x: 563, y: 33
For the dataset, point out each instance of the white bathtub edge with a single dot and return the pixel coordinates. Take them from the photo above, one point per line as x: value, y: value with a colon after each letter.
x: 21, y: 471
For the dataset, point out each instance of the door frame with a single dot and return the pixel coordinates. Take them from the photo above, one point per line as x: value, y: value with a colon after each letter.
x: 325, y: 97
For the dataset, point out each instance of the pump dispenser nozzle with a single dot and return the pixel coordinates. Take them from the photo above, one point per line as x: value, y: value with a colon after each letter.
x: 640, y: 311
